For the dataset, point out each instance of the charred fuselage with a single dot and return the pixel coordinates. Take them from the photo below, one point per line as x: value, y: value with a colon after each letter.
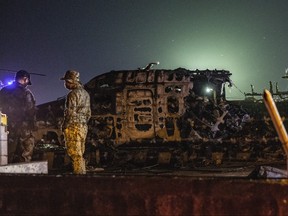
x: 178, y: 117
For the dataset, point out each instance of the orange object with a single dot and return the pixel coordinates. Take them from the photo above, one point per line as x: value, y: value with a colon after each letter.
x: 276, y: 119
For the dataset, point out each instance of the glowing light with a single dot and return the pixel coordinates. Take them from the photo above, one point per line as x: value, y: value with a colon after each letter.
x: 10, y: 82
x: 208, y: 90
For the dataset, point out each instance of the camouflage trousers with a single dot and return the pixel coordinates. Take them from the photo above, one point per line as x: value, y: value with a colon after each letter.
x: 20, y: 146
x: 75, y: 136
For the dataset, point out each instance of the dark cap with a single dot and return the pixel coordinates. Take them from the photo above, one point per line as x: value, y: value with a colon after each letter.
x: 71, y: 76
x: 21, y: 74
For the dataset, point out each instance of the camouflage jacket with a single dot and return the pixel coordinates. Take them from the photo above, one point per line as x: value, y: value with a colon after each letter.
x: 18, y: 103
x: 77, y: 107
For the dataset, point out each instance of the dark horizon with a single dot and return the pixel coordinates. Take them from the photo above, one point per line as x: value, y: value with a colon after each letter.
x: 248, y: 38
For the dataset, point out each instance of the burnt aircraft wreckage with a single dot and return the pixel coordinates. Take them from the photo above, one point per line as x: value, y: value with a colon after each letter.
x: 177, y: 118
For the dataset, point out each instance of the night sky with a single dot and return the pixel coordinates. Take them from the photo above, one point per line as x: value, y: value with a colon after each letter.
x: 247, y: 37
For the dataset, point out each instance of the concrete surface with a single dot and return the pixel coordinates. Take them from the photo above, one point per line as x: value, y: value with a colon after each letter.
x: 140, y: 195
x: 35, y: 167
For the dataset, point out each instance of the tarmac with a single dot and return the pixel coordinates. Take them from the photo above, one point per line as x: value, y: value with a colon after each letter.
x: 146, y: 191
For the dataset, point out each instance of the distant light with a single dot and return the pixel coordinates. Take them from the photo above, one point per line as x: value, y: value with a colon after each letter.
x: 208, y: 90
x: 177, y: 89
x: 10, y: 82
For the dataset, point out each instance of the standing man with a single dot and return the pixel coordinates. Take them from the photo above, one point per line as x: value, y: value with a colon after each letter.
x: 18, y: 103
x: 76, y: 116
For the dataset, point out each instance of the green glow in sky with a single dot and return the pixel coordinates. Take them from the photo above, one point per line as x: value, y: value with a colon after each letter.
x: 247, y: 37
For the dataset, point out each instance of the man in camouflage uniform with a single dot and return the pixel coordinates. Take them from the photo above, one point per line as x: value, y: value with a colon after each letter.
x: 18, y: 103
x: 76, y: 116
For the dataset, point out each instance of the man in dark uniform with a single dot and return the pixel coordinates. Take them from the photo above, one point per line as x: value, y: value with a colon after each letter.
x: 18, y: 103
x: 76, y: 116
